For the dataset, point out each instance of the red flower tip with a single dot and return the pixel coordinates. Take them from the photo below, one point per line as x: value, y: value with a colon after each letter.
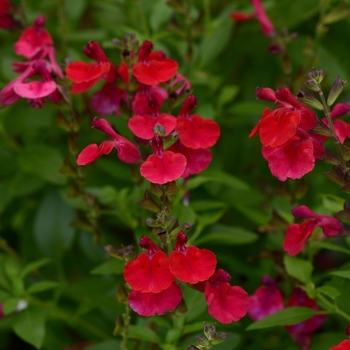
x: 103, y: 125
x: 284, y: 95
x: 242, y: 17
x: 220, y: 275
x: 347, y: 330
x: 149, y: 304
x: 340, y: 109
x: 39, y: 22
x: 147, y: 243
x: 145, y: 50
x: 266, y: 94
x: 94, y: 51
x: 181, y: 241
x: 344, y: 345
x: 188, y: 105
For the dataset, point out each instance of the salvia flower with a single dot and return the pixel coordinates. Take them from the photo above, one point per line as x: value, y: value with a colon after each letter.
x: 297, y: 234
x: 127, y: 151
x: 153, y: 68
x: 266, y: 300
x: 344, y: 345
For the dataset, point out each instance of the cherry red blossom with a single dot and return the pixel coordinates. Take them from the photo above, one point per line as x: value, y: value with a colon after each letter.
x: 86, y: 75
x: 302, y: 332
x: 6, y: 19
x: 141, y: 103
x: 162, y: 166
x: 127, y: 151
x: 266, y: 300
x: 344, y: 345
x: 197, y: 159
x: 297, y: 234
x: 225, y: 303
x: 149, y: 304
x: 142, y: 125
x: 191, y: 264
x: 194, y: 131
x: 153, y: 68
x: 149, y: 272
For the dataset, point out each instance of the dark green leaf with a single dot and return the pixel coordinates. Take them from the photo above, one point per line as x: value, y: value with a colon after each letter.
x: 344, y: 274
x: 329, y: 291
x: 143, y: 333
x: 113, y: 266
x: 34, y: 266
x: 42, y: 286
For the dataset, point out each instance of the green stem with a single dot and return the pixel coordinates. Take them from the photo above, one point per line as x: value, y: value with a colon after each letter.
x: 333, y: 308
x: 337, y: 144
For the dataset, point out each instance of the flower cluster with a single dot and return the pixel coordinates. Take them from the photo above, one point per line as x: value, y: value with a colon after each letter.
x: 297, y: 234
x: 36, y: 45
x: 151, y: 276
x: 187, y: 136
x: 268, y: 299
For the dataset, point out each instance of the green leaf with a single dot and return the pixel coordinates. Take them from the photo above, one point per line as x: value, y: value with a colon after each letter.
x: 29, y: 325
x: 330, y: 246
x: 227, y: 94
x: 43, y: 161
x: 143, y: 333
x: 52, y: 228
x: 34, y: 266
x: 298, y: 268
x: 344, y: 274
x: 42, y: 286
x: 210, y: 217
x: 10, y: 305
x: 228, y: 235
x: 173, y: 335
x: 329, y: 291
x: 193, y: 327
x: 286, y: 317
x: 113, y: 266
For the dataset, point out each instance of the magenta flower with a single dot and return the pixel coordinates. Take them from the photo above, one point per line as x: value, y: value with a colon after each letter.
x: 127, y: 151
x: 266, y: 300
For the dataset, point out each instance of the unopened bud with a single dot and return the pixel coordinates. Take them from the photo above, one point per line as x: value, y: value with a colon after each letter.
x: 322, y: 129
x: 329, y: 157
x: 336, y: 90
x: 202, y: 341
x: 309, y: 100
x: 171, y: 139
x: 209, y: 329
x: 159, y: 130
x: 192, y: 347
x: 220, y: 337
x: 347, y: 330
x: 121, y: 295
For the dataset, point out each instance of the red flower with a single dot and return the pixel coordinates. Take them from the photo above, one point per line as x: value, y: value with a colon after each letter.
x: 149, y: 304
x: 242, y: 17
x: 140, y: 103
x: 197, y: 159
x: 297, y: 234
x: 163, y: 166
x: 302, y: 332
x: 196, y: 132
x: 149, y: 273
x: 33, y: 40
x: 152, y: 68
x: 127, y: 151
x: 86, y: 75
x: 225, y: 303
x: 142, y: 125
x: 191, y: 264
x: 344, y: 345
x: 266, y: 300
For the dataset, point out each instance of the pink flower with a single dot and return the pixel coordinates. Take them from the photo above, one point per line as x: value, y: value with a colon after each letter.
x: 225, y: 303
x: 127, y: 151
x: 162, y: 166
x: 266, y: 300
x: 191, y: 264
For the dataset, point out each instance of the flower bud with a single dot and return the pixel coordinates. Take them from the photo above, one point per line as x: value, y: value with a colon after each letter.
x: 316, y: 76
x: 336, y: 90
x: 347, y: 330
x: 309, y: 100
x: 220, y: 337
x: 202, y: 341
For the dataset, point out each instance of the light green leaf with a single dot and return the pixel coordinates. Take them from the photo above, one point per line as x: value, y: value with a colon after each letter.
x: 43, y: 161
x: 142, y: 333
x: 228, y: 235
x: 298, y: 268
x: 10, y: 305
x: 344, y: 274
x: 42, y: 286
x: 227, y: 94
x: 286, y: 317
x: 330, y: 246
x: 106, y: 345
x: 113, y: 266
x: 29, y: 325
x: 329, y: 291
